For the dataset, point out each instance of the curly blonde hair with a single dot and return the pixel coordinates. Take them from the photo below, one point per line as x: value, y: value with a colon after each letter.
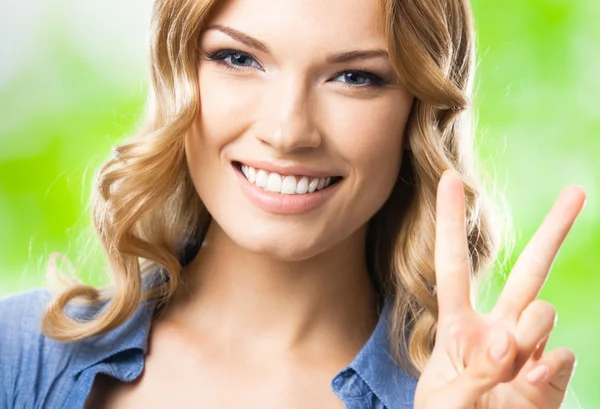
x: 145, y: 201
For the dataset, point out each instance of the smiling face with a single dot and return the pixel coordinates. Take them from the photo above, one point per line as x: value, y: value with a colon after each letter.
x: 299, y: 138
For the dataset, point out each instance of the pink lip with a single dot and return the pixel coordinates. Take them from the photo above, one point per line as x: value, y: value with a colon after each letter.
x: 287, y: 170
x: 279, y: 203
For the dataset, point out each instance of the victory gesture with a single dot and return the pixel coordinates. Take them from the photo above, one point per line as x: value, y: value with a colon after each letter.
x: 495, y: 360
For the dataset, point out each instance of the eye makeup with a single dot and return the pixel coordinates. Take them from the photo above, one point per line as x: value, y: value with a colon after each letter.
x: 235, y: 60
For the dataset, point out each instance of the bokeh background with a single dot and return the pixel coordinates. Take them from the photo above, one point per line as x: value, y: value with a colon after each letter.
x: 73, y: 81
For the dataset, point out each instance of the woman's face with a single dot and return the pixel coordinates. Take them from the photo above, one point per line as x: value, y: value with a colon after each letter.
x: 302, y: 94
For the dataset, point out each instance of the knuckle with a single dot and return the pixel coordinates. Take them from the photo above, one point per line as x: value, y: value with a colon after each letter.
x: 546, y: 311
x: 487, y: 370
x: 545, y: 306
x: 460, y: 327
x: 489, y: 373
x: 566, y: 356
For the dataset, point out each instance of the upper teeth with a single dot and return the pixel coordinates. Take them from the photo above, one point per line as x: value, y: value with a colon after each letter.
x: 287, y: 185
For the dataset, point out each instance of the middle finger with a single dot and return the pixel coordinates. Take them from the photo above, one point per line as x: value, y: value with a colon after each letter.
x: 531, y: 270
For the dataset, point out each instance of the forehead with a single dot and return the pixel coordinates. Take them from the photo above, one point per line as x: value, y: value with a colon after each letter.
x: 337, y: 24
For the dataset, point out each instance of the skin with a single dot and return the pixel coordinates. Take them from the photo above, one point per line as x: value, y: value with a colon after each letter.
x: 464, y: 372
x: 275, y: 305
x: 278, y: 302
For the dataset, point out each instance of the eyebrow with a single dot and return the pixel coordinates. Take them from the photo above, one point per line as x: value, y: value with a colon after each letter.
x: 331, y: 58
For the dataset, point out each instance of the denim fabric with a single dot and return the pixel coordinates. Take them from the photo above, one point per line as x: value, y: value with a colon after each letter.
x: 37, y: 372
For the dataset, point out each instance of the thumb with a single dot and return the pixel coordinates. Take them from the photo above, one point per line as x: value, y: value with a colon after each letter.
x: 492, y: 365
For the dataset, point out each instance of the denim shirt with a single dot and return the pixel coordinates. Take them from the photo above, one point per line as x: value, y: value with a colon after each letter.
x: 39, y: 372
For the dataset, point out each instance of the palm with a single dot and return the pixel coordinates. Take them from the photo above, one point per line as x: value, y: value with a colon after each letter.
x: 464, y: 335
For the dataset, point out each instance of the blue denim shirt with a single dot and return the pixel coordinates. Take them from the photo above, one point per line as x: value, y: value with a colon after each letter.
x: 38, y: 372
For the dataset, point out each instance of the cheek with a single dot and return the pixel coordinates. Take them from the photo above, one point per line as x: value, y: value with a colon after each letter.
x: 222, y: 99
x: 370, y: 137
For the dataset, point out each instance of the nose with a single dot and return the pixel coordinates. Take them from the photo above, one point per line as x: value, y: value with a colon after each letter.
x: 287, y: 115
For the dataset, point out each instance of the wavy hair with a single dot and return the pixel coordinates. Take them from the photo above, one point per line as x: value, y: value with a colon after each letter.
x: 145, y: 201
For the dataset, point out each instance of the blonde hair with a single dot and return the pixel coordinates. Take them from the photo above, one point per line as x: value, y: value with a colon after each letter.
x: 145, y: 201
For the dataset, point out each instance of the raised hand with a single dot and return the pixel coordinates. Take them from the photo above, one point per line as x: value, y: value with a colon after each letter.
x: 495, y: 360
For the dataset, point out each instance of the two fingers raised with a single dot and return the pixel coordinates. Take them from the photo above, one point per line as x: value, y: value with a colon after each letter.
x: 452, y: 260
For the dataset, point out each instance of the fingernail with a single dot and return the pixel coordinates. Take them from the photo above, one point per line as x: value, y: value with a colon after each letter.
x: 499, y: 347
x: 537, y: 374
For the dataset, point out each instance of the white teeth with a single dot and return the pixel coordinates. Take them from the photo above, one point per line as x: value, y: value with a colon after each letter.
x: 274, y: 182
x: 312, y: 186
x: 261, y: 178
x: 302, y: 187
x: 251, y: 175
x: 288, y: 185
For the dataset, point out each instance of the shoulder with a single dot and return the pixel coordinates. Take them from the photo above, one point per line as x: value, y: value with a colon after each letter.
x: 27, y: 357
x: 38, y: 371
x: 21, y: 311
x: 20, y: 324
x: 32, y: 366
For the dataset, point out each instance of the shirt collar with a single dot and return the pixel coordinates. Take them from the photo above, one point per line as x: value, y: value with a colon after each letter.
x: 375, y: 365
x: 131, y: 336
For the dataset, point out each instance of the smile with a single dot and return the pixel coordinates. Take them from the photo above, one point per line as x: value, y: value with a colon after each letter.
x: 285, y: 194
x: 285, y: 184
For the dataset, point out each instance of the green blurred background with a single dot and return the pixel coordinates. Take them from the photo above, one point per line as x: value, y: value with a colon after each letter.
x: 72, y: 84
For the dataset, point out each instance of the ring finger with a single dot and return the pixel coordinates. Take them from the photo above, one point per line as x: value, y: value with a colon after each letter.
x: 535, y: 325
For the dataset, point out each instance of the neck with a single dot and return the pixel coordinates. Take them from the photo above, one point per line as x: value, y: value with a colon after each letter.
x: 323, y: 304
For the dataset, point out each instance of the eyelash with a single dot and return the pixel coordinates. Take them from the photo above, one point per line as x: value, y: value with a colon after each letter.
x: 375, y: 81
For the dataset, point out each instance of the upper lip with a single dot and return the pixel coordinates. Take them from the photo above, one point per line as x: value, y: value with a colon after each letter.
x: 286, y: 169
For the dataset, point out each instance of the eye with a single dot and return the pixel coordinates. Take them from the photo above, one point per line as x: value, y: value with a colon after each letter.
x: 234, y: 59
x: 239, y: 61
x: 360, y: 79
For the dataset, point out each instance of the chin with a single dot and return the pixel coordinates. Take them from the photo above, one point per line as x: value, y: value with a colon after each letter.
x: 287, y: 253
x: 282, y: 245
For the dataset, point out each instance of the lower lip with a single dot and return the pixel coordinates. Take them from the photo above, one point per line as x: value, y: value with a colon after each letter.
x: 281, y: 203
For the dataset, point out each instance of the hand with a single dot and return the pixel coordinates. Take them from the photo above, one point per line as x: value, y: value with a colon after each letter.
x: 495, y: 360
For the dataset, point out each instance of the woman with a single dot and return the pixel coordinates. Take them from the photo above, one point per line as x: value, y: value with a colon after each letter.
x: 289, y: 228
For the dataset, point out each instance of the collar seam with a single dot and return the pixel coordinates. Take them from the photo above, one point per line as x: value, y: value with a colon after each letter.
x: 106, y: 358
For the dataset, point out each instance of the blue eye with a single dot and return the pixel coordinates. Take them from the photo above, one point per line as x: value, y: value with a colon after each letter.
x: 234, y: 59
x: 239, y: 61
x: 242, y: 60
x: 360, y: 79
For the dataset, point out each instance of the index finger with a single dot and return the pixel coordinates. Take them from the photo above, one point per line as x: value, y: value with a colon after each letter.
x: 452, y: 263
x: 533, y: 266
